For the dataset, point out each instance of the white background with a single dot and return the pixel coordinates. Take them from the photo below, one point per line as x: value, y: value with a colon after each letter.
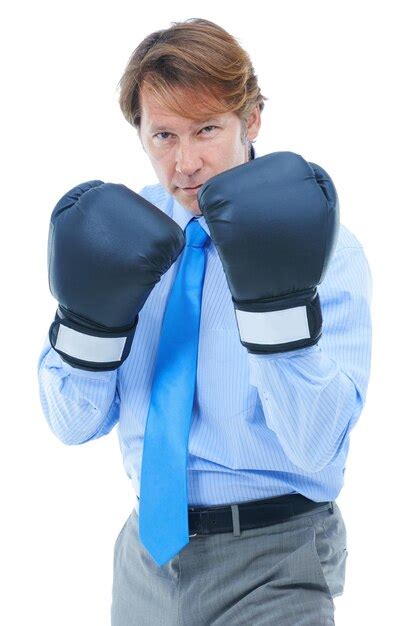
x: 339, y: 77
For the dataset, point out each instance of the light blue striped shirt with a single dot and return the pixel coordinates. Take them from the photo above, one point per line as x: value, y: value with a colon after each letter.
x: 262, y: 425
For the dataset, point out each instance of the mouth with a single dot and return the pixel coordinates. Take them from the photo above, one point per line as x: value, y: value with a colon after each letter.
x: 190, y: 190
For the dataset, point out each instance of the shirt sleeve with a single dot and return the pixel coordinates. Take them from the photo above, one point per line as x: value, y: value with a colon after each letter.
x: 78, y: 405
x: 313, y: 397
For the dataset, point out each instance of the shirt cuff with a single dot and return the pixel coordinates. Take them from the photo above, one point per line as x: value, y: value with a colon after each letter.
x: 54, y: 360
x: 283, y: 355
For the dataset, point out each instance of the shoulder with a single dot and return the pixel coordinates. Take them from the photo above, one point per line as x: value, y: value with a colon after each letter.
x: 346, y: 239
x: 348, y: 251
x: 157, y: 195
x: 349, y: 254
x: 349, y: 269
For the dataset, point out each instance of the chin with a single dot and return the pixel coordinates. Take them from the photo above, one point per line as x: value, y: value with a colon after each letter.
x: 194, y: 210
x: 190, y: 205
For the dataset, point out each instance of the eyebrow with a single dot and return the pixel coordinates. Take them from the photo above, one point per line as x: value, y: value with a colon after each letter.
x: 156, y: 129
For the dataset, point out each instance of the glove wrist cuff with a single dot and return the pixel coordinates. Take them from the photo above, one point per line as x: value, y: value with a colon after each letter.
x: 286, y: 323
x: 87, y: 347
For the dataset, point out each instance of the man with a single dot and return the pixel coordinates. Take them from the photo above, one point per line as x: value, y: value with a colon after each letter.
x: 277, y: 328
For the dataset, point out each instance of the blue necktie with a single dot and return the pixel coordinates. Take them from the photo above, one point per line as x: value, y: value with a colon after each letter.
x: 163, y: 515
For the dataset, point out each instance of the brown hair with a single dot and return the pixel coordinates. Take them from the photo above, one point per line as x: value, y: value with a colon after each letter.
x: 213, y: 72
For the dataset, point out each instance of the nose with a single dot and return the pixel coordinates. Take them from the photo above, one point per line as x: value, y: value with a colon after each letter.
x: 188, y: 159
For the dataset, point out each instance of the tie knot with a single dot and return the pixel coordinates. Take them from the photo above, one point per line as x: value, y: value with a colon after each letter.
x: 196, y: 236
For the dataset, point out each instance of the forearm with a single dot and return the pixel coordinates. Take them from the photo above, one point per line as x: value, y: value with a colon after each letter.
x: 308, y: 402
x: 78, y: 405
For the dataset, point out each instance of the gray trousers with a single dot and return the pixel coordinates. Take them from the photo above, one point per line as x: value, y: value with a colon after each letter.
x: 285, y: 574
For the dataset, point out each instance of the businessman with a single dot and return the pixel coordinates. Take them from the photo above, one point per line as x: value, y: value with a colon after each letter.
x: 221, y: 320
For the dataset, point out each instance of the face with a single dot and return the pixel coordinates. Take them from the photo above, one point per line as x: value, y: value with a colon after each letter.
x: 185, y: 153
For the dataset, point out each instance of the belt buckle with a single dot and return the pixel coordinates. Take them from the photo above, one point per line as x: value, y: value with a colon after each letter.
x: 204, y: 528
x: 194, y: 534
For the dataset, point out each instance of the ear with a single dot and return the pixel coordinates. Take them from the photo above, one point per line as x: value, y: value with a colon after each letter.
x: 253, y: 123
x: 140, y: 139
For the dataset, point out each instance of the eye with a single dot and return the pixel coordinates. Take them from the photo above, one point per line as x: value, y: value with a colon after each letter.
x: 162, y: 133
x: 206, y: 127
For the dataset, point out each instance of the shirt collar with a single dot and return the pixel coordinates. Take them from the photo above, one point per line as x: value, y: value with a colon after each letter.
x: 182, y: 216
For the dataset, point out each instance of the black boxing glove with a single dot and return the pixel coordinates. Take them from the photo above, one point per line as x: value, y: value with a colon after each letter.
x: 274, y: 221
x: 107, y: 249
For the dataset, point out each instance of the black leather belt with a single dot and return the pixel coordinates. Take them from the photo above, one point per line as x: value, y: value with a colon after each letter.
x: 252, y: 514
